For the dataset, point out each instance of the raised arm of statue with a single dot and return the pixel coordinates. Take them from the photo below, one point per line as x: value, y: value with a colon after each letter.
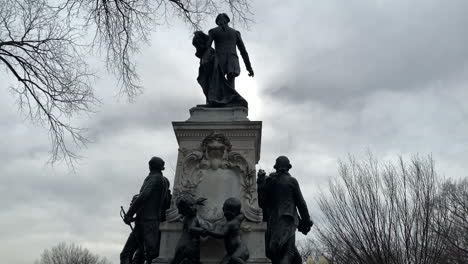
x: 262, y: 191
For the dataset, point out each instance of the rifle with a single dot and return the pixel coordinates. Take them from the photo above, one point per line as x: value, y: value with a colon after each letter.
x: 122, y: 215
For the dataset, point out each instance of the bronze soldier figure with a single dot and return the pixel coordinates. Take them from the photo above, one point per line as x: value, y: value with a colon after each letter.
x: 149, y: 206
x: 132, y: 252
x: 261, y: 178
x: 283, y: 199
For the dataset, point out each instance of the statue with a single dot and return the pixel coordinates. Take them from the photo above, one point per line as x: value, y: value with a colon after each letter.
x: 220, y: 66
x: 261, y: 176
x: 283, y: 200
x: 150, y: 207
x: 188, y: 248
x: 132, y: 252
x: 237, y: 251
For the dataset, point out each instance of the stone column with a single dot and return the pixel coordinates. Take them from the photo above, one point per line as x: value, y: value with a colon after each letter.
x: 218, y: 151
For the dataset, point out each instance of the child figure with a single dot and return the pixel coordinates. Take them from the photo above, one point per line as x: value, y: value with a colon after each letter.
x: 188, y: 248
x: 237, y: 251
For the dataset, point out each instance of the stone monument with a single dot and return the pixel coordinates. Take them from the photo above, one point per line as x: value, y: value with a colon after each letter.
x: 215, y: 194
x: 218, y: 150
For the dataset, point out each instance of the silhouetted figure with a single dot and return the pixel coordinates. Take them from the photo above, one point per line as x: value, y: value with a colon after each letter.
x: 220, y: 66
x: 226, y: 40
x: 283, y: 199
x: 237, y: 251
x: 188, y: 247
x: 149, y: 206
x: 132, y: 252
x: 261, y: 176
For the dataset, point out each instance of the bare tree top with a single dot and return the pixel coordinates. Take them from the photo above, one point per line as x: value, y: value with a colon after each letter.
x: 42, y: 46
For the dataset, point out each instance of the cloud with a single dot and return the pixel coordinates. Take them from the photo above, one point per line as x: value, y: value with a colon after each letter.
x: 350, y: 50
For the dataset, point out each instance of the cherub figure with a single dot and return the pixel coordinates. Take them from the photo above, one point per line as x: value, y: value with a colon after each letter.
x: 237, y: 251
x: 188, y: 248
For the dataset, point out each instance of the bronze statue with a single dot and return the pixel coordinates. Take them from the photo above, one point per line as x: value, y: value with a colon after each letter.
x: 283, y: 200
x: 261, y: 177
x: 237, y: 251
x: 149, y: 206
x: 188, y: 248
x: 220, y: 66
x: 132, y: 251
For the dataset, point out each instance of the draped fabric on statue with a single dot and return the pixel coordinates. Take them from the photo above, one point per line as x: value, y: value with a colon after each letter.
x: 279, y: 236
x: 211, y: 78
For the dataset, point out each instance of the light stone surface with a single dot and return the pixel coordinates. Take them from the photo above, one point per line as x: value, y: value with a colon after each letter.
x: 206, y: 114
x: 222, y: 167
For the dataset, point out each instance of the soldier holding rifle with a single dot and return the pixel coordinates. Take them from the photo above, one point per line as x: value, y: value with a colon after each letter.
x: 150, y: 207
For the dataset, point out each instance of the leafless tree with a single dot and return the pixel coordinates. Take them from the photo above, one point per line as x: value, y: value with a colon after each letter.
x: 70, y: 254
x: 454, y: 199
x: 43, y: 46
x: 309, y: 248
x: 385, y: 214
x: 52, y: 78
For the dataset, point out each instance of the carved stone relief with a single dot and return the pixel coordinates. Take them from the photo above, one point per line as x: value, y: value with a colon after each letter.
x: 216, y: 173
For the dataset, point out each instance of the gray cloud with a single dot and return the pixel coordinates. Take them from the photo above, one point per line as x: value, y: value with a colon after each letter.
x: 342, y: 52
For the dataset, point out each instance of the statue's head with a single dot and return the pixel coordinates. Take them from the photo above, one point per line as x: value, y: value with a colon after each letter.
x: 261, y: 173
x: 282, y: 164
x: 187, y: 205
x: 231, y: 208
x: 156, y: 164
x: 222, y: 19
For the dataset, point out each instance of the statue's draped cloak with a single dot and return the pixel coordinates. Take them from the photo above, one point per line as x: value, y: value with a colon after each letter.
x: 215, y: 86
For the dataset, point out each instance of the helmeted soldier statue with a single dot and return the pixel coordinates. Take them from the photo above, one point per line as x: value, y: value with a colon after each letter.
x: 150, y: 208
x: 283, y: 200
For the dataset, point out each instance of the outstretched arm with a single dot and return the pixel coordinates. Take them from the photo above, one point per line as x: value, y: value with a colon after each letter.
x: 224, y: 232
x: 195, y: 228
x: 244, y: 54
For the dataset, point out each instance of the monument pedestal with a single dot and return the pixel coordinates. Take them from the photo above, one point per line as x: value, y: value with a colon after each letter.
x: 218, y: 151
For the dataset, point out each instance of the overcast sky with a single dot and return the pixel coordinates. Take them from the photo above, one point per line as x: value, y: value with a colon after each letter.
x: 332, y: 78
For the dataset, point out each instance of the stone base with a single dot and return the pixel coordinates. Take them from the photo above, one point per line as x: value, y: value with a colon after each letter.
x: 226, y: 114
x: 212, y: 250
x: 236, y: 178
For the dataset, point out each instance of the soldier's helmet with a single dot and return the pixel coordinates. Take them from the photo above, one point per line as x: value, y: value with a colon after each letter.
x: 282, y: 163
x: 156, y: 163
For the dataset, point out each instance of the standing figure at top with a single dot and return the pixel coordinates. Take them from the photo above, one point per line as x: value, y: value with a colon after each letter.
x: 226, y: 39
x: 220, y: 66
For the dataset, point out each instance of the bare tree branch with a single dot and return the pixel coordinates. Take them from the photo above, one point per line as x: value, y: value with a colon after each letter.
x: 53, y: 79
x: 393, y: 214
x: 43, y: 46
x: 65, y: 253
